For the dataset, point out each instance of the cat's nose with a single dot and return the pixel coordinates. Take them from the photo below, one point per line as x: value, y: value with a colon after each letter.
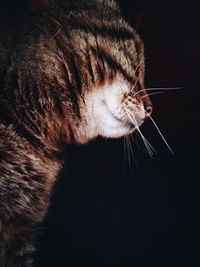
x: 149, y: 109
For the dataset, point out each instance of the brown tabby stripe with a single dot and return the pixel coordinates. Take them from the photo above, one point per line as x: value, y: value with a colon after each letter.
x: 32, y: 139
x: 89, y: 64
x: 21, y: 95
x: 70, y: 71
x: 112, y: 63
x: 6, y: 118
x: 21, y: 112
x: 73, y: 95
x: 76, y: 75
x: 103, y: 31
x: 71, y: 135
x: 101, y: 72
x: 55, y: 94
x: 35, y: 93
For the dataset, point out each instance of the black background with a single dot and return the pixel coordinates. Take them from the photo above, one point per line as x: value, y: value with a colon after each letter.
x: 107, y: 212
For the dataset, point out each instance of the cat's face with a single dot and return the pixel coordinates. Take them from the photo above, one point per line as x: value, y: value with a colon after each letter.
x: 113, y: 110
x: 118, y: 106
x: 114, y: 102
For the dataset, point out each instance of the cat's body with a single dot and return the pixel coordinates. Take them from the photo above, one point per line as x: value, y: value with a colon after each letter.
x: 70, y: 71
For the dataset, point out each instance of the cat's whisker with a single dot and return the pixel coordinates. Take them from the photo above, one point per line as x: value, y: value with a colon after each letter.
x: 124, y: 149
x: 131, y: 149
x: 149, y: 147
x: 157, y: 88
x: 164, y: 88
x: 53, y: 36
x: 156, y: 93
x: 135, y: 70
x: 147, y: 144
x: 157, y: 128
x: 134, y: 138
x: 128, y: 151
x: 58, y: 31
x: 136, y: 81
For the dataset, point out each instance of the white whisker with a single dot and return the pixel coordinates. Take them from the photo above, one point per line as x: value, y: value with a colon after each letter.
x: 156, y: 93
x: 58, y: 31
x: 135, y: 83
x: 151, y: 89
x: 124, y: 154
x: 137, y: 127
x: 135, y: 70
x: 165, y: 88
x: 131, y: 149
x: 55, y: 34
x: 157, y: 129
x: 149, y: 147
x: 128, y: 151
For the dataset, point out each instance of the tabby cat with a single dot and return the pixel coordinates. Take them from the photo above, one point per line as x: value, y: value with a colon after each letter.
x: 69, y: 72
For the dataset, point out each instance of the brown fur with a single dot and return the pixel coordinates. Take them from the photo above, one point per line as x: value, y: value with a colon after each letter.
x: 52, y: 52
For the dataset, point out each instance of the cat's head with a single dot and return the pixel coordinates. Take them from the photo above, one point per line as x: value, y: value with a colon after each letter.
x: 84, y: 67
x: 114, y: 101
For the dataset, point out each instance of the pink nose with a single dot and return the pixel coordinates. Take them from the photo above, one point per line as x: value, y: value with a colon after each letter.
x: 148, y: 109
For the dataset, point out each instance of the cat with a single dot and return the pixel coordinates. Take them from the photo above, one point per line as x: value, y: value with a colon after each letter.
x: 69, y: 71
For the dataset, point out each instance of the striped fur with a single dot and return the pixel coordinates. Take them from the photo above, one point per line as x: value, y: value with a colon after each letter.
x: 53, y: 56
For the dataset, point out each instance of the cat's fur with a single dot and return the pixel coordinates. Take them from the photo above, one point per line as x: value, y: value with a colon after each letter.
x: 68, y: 72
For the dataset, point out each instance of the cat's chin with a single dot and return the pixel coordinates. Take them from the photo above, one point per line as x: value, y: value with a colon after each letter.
x: 117, y: 133
x: 108, y: 132
x: 115, y: 127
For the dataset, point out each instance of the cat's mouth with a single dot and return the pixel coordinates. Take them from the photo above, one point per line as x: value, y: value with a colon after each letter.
x: 112, y: 119
x: 125, y: 123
